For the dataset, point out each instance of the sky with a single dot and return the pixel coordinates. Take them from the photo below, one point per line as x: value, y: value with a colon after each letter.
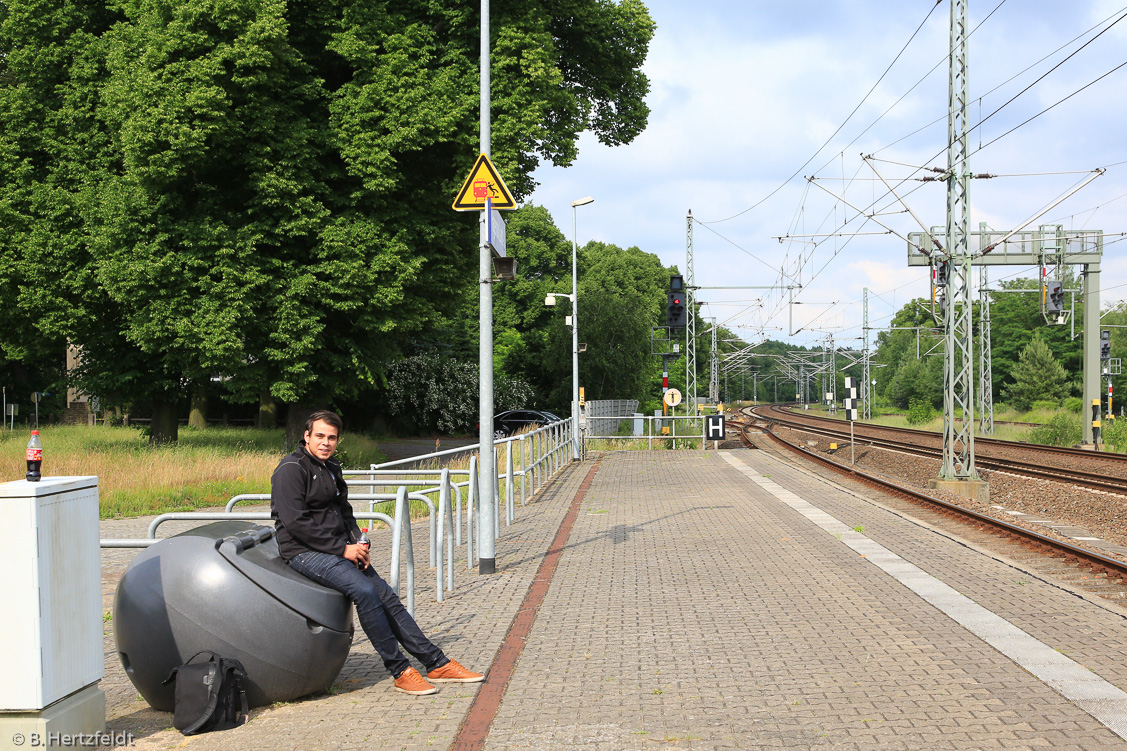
x: 748, y: 98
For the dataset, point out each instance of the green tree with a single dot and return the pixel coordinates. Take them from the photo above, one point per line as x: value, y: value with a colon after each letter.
x: 521, y: 320
x: 430, y: 393
x: 1037, y: 376
x: 902, y: 350
x: 621, y: 297
x: 259, y: 191
x: 917, y: 380
x: 1015, y: 316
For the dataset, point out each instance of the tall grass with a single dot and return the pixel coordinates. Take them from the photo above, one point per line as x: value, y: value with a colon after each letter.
x: 204, y: 469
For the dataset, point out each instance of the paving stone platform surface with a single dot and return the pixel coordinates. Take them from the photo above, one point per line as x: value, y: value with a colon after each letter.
x: 694, y: 607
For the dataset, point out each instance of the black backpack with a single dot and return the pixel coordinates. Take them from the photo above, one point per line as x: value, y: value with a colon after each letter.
x: 209, y: 695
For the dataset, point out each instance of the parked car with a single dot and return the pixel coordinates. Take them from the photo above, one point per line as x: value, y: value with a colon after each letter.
x: 506, y: 424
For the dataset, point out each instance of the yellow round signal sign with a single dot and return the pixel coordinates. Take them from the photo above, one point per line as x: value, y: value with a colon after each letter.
x: 672, y: 397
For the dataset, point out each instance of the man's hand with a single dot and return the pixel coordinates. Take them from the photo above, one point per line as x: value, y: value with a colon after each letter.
x: 358, y: 554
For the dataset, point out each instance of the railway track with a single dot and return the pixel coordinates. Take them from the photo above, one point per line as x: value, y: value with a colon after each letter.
x: 1093, y: 480
x: 1103, y: 574
x: 780, y: 413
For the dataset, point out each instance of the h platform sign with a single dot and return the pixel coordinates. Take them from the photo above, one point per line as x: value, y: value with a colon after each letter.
x: 714, y: 427
x: 851, y: 401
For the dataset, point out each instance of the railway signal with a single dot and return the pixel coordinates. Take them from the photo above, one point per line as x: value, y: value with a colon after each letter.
x: 675, y: 306
x: 1053, y: 296
x: 1105, y: 344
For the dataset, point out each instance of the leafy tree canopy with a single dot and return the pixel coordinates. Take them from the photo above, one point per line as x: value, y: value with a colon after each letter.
x: 258, y: 190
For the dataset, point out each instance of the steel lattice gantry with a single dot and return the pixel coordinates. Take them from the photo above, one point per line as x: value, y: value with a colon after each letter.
x: 985, y: 358
x: 958, y: 364
x: 1046, y: 245
x: 866, y: 370
x: 690, y: 320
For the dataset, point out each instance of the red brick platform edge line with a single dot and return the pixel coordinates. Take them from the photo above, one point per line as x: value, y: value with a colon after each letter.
x: 475, y: 727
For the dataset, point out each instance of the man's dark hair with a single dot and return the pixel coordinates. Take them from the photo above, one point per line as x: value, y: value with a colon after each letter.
x: 327, y: 416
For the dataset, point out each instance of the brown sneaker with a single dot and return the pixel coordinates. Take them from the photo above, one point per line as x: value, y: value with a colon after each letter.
x: 452, y: 672
x: 410, y: 682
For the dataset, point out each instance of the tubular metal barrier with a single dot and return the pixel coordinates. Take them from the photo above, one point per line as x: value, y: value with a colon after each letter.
x: 531, y: 458
x: 395, y: 478
x: 436, y: 549
x: 422, y: 474
x: 445, y: 535
x: 400, y: 526
x: 684, y: 428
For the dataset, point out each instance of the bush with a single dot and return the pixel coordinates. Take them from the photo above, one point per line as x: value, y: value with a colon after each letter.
x: 1114, y: 432
x: 1073, y: 404
x: 1046, y: 405
x: 920, y: 411
x: 1064, y: 429
x: 430, y: 393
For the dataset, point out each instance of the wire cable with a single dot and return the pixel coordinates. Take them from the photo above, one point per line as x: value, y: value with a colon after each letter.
x: 840, y: 127
x: 1008, y: 80
x: 1051, y: 106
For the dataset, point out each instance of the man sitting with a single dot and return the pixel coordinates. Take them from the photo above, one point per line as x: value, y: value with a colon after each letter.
x: 319, y: 538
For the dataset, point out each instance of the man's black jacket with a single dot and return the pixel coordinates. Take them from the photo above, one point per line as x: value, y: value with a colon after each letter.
x: 309, y: 504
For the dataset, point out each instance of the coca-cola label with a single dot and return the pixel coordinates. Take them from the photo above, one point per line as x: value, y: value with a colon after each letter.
x: 35, y: 455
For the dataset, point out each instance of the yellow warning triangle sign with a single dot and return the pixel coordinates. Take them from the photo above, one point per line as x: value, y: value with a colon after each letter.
x: 483, y: 184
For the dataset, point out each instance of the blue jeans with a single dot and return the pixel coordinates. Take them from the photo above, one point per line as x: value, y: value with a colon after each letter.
x: 381, y: 614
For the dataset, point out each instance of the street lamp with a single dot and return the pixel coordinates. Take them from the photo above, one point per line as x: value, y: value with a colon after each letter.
x: 575, y: 331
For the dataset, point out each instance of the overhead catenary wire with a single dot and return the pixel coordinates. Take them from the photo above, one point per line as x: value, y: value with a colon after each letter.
x: 879, y: 118
x: 813, y: 156
x: 1121, y: 17
x: 808, y: 251
x: 1003, y: 83
x: 1055, y: 104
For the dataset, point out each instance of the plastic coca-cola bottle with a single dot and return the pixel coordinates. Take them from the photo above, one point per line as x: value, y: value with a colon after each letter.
x: 34, y: 457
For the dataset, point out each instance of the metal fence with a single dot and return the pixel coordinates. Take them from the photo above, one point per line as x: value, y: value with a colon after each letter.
x: 530, y: 461
x: 604, y: 416
x: 648, y: 432
x: 400, y: 525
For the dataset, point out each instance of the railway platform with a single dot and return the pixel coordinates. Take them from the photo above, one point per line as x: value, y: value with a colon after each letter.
x: 715, y: 600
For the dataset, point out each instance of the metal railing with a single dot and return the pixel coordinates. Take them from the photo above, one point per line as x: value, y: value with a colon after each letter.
x: 530, y: 459
x: 687, y: 429
x: 400, y: 525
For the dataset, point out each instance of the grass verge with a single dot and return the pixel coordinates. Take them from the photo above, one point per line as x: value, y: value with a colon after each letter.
x: 204, y: 469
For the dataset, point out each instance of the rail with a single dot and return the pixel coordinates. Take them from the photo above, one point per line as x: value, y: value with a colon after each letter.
x: 1092, y: 480
x: 979, y: 440
x: 1112, y: 565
